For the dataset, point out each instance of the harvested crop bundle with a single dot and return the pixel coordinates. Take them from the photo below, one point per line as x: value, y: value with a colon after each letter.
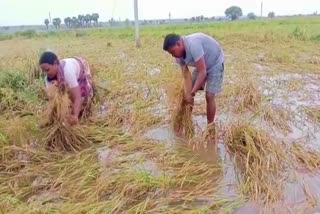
x: 259, y: 160
x: 181, y: 111
x: 59, y: 136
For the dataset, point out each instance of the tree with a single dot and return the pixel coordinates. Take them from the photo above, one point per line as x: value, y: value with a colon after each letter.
x: 127, y: 21
x: 95, y: 17
x: 56, y: 22
x: 271, y: 15
x: 46, y: 22
x: 81, y: 20
x: 233, y: 12
x: 252, y: 16
x: 87, y: 20
x: 112, y: 22
x: 67, y: 22
x: 75, y: 22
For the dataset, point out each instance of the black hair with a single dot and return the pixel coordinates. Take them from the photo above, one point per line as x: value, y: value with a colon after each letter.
x: 170, y: 41
x: 48, y: 57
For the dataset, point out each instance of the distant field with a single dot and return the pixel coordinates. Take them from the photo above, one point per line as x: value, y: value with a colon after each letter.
x: 271, y: 92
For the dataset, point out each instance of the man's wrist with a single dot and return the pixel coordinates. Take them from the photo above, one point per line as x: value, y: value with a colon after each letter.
x: 193, y: 93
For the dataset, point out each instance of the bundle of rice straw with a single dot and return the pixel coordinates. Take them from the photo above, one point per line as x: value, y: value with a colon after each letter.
x: 182, y: 111
x: 260, y: 161
x: 59, y: 136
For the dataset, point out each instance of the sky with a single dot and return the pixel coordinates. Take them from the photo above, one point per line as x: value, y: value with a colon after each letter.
x: 33, y: 12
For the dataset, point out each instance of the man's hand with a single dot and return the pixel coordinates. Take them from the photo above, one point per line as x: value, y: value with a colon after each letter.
x: 76, y: 100
x: 73, y: 120
x: 189, y: 98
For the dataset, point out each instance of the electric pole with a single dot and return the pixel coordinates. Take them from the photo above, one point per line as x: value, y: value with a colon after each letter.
x: 136, y: 19
x: 261, y: 9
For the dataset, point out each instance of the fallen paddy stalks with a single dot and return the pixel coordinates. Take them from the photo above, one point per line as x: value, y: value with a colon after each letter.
x: 59, y: 136
x: 259, y: 159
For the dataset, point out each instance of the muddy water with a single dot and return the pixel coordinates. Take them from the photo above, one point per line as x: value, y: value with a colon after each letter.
x: 300, y: 188
x: 307, y: 95
x: 161, y: 134
x: 212, y: 153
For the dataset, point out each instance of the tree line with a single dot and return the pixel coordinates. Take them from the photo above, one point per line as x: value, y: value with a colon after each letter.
x: 75, y: 22
x: 89, y: 20
x: 235, y: 12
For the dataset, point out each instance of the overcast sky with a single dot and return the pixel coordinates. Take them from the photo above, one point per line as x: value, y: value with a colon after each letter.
x: 26, y: 12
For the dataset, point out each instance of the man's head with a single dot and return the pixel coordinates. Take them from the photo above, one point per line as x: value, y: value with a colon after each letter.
x: 173, y: 43
x: 49, y: 64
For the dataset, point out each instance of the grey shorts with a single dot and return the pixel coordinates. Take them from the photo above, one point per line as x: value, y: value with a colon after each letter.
x: 214, y: 79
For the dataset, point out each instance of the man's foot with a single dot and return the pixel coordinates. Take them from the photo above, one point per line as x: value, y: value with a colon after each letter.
x: 210, y: 132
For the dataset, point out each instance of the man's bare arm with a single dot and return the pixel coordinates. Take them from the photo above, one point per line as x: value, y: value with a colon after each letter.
x: 187, y: 79
x: 202, y: 75
x: 76, y: 101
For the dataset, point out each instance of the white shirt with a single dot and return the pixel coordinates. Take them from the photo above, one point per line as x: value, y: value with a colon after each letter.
x: 71, y: 71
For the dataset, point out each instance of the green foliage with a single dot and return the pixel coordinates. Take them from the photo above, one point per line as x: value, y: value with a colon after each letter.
x: 15, y: 85
x: 252, y: 16
x: 271, y: 15
x: 233, y: 12
x: 5, y: 36
x: 28, y: 34
x: 315, y: 38
x: 299, y: 34
x: 13, y: 79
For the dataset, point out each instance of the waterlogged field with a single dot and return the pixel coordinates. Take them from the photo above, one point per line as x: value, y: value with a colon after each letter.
x: 266, y: 157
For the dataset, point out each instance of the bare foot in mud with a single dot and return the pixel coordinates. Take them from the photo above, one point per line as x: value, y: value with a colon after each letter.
x: 210, y: 133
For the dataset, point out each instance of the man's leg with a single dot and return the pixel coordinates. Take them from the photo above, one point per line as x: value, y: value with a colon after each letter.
x: 211, y: 107
x: 211, y: 112
x: 213, y: 87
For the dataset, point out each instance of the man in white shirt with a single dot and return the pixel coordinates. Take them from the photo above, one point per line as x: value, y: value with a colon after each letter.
x: 75, y: 73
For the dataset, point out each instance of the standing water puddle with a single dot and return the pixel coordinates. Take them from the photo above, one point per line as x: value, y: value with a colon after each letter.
x: 302, y: 187
x: 297, y: 193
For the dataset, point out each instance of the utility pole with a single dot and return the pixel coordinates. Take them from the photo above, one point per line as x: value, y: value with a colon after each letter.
x: 136, y: 19
x: 261, y: 9
x: 49, y: 17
